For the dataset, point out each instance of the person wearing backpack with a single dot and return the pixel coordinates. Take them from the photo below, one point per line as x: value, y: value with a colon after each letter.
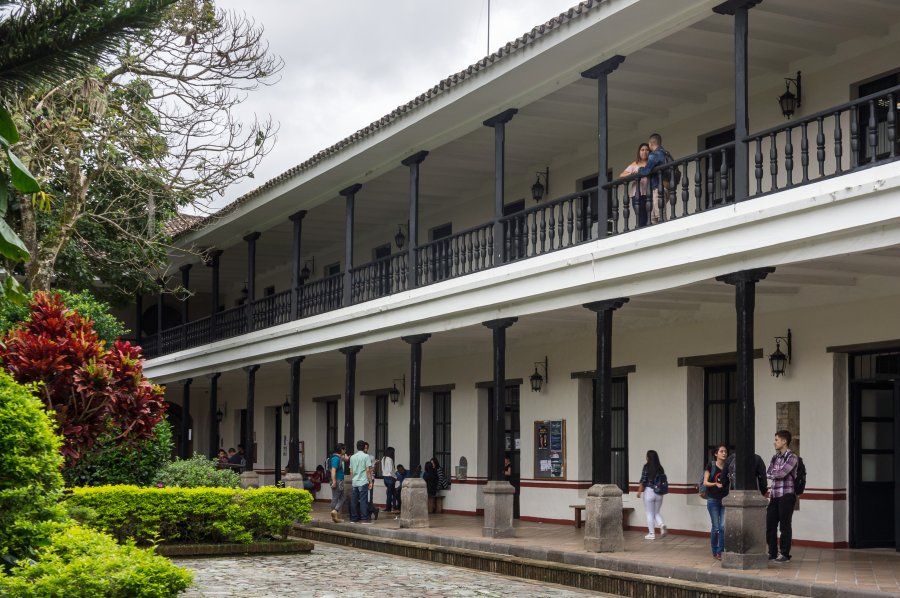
x: 336, y: 471
x: 658, y: 157
x: 715, y: 480
x: 782, y: 471
x: 653, y: 485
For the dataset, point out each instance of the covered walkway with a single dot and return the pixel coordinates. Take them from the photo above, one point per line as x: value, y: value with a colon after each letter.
x: 812, y: 571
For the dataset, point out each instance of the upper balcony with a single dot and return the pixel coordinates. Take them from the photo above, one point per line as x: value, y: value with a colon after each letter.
x: 677, y: 79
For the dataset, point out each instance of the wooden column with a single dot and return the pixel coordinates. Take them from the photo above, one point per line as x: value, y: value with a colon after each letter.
x: 498, y: 414
x: 415, y: 403
x: 350, y: 195
x: 213, y: 420
x: 499, y: 125
x: 293, y: 465
x: 185, y: 284
x: 413, y: 163
x: 247, y: 440
x: 601, y: 424
x: 251, y: 278
x: 745, y: 414
x: 601, y: 73
x: 296, y: 281
x: 185, y: 452
x: 350, y: 395
x: 213, y: 262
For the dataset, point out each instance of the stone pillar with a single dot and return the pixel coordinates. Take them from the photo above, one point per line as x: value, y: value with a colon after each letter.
x: 603, y: 523
x: 350, y: 397
x: 249, y: 479
x: 413, y: 503
x: 498, y: 509
x: 745, y: 508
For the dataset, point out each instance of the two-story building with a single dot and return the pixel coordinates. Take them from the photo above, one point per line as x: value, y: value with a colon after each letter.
x: 470, y: 277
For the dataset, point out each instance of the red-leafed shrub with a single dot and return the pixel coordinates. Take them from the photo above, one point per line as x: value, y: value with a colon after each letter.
x: 90, y: 387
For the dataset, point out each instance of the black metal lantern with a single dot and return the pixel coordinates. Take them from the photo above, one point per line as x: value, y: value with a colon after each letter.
x: 394, y: 393
x: 286, y: 406
x: 400, y: 238
x: 778, y: 361
x: 539, y: 188
x: 305, y: 273
x: 219, y: 415
x: 788, y: 101
x: 537, y: 380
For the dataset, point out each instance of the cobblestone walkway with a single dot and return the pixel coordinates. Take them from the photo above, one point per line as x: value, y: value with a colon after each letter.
x: 319, y: 575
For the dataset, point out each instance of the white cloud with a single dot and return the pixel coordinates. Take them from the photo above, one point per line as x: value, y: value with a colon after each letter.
x: 349, y: 63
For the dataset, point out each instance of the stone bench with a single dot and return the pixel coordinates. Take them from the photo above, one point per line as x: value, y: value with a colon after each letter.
x: 626, y: 512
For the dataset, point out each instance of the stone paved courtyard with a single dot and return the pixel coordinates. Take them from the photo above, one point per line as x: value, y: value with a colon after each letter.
x: 317, y: 575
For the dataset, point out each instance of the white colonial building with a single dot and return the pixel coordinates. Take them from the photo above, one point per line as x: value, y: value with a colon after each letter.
x: 316, y: 293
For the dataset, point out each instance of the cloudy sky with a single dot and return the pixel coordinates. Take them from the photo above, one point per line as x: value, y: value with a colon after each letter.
x: 350, y: 62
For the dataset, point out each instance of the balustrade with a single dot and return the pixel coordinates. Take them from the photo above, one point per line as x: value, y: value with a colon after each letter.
x: 689, y: 185
x: 462, y: 253
x: 384, y: 276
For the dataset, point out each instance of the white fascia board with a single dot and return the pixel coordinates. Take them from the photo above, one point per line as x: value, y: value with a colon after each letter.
x: 847, y: 214
x: 545, y: 65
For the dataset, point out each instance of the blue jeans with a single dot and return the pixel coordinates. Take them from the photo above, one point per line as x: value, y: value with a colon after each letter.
x: 391, y: 501
x: 359, y: 504
x: 717, y: 532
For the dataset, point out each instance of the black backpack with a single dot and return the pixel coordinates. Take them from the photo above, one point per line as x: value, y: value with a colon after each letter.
x: 800, y: 477
x: 667, y: 172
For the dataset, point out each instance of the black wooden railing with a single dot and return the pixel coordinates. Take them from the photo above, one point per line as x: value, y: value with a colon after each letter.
x: 683, y: 187
x: 321, y: 296
x: 465, y: 252
x: 813, y: 148
x: 550, y: 226
x: 384, y: 276
x: 796, y: 153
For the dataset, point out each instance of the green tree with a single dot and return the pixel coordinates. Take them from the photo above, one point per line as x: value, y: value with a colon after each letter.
x: 121, y: 148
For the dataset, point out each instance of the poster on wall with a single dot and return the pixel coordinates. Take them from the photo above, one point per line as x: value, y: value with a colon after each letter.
x: 550, y: 449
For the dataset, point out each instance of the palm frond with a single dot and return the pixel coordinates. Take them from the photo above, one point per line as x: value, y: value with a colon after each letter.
x: 52, y: 40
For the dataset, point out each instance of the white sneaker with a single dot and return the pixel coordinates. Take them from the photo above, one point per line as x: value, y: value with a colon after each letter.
x: 650, y: 537
x: 663, y: 530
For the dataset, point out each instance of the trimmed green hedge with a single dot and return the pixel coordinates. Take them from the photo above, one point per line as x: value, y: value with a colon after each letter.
x: 196, y: 472
x: 89, y: 564
x: 191, y: 515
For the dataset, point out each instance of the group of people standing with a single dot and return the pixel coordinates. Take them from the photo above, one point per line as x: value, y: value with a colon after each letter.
x: 717, y: 480
x: 361, y: 467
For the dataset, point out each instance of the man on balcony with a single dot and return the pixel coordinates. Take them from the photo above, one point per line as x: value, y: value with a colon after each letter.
x: 657, y: 158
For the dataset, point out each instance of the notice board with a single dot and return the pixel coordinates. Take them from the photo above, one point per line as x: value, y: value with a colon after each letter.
x: 550, y: 449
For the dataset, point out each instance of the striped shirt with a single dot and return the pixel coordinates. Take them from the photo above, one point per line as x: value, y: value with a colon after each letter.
x: 782, y: 471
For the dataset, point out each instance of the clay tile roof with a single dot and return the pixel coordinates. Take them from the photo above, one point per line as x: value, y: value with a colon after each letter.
x: 181, y: 223
x: 422, y: 99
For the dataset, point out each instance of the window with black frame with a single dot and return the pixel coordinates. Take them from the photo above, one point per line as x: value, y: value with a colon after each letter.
x: 619, y: 449
x: 882, y: 106
x: 381, y: 425
x: 719, y: 403
x: 441, y: 413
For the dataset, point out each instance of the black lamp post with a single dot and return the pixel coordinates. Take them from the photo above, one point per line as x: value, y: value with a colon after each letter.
x: 788, y: 101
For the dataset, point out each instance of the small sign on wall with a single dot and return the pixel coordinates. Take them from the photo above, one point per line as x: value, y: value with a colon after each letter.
x: 550, y: 449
